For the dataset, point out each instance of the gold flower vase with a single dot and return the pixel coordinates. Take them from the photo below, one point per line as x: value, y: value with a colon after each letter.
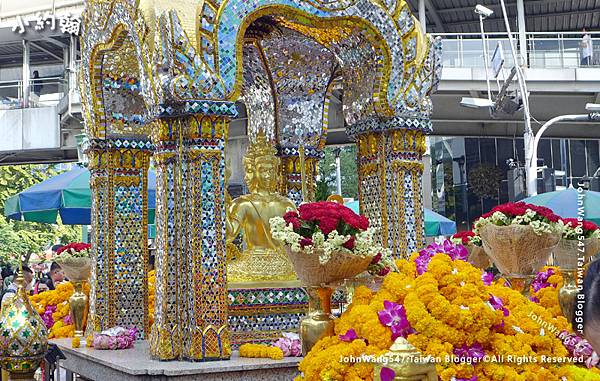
x: 319, y: 322
x: 521, y: 283
x: 77, y: 304
x: 569, y: 255
x: 567, y: 294
x: 78, y: 272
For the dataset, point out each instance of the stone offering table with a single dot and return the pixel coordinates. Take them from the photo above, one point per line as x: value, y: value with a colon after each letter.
x: 135, y: 364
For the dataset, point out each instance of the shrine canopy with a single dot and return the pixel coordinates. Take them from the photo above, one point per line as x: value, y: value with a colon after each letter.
x: 67, y: 194
x: 435, y: 224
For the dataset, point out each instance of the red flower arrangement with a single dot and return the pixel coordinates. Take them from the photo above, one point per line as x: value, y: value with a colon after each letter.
x: 467, y: 237
x: 76, y: 246
x: 327, y: 217
x: 588, y: 226
x: 514, y: 209
x: 327, y: 228
x: 575, y: 228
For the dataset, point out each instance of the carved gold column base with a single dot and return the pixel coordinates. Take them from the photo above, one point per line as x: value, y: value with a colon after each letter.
x: 165, y: 344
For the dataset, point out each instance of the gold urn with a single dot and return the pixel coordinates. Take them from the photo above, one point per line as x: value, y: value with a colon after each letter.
x: 405, y: 362
x: 23, y: 334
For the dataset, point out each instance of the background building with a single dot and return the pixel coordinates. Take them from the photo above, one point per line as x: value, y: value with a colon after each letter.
x: 40, y: 118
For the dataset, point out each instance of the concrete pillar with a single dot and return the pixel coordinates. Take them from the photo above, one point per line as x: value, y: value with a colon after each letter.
x: 72, y: 64
x: 427, y: 195
x: 26, y: 74
x: 422, y: 16
x: 522, y: 33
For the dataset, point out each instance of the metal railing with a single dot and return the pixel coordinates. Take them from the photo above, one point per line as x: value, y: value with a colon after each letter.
x: 544, y: 50
x: 42, y: 92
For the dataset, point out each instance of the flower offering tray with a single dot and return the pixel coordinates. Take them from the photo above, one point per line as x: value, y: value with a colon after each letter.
x: 260, y: 312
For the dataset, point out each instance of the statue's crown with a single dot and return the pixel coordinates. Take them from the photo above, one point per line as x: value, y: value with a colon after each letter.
x: 260, y: 148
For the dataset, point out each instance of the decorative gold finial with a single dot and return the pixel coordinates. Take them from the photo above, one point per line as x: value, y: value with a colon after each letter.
x: 25, y: 337
x: 407, y: 363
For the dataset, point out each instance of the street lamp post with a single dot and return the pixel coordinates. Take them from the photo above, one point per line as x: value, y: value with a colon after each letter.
x: 483, y: 15
x: 528, y: 138
x: 593, y: 116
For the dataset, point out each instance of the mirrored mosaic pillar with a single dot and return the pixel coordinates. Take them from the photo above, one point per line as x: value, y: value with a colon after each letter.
x: 390, y: 171
x: 119, y: 216
x: 190, y: 319
x: 291, y: 175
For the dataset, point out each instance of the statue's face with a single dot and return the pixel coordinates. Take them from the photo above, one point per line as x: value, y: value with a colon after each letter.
x: 266, y: 175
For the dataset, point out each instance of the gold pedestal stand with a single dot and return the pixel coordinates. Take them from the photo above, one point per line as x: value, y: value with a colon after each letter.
x: 319, y: 322
x: 568, y: 293
x: 521, y: 283
x: 78, y: 303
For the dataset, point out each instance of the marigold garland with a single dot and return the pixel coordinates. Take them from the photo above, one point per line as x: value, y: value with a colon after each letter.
x: 54, y: 308
x: 151, y: 282
x: 53, y: 305
x: 450, y: 307
x: 261, y: 351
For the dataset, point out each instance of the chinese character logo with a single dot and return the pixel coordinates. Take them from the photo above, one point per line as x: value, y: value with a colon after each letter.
x: 70, y: 24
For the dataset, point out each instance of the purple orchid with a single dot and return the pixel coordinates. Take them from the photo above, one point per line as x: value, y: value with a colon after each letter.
x: 447, y: 247
x: 349, y: 336
x: 387, y: 374
x: 394, y: 316
x: 579, y: 347
x: 497, y: 304
x: 487, y: 278
x: 47, y: 316
x: 541, y: 280
x: 473, y: 352
x: 534, y: 299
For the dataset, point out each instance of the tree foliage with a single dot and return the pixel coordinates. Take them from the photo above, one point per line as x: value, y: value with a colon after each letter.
x: 19, y: 238
x: 484, y: 180
x: 349, y: 172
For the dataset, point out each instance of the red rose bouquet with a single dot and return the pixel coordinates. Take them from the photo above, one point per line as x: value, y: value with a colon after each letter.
x: 467, y: 237
x: 580, y: 238
x: 575, y: 229
x: 540, y: 218
x: 324, y: 230
x: 75, y: 250
x: 75, y: 260
x: 519, y: 237
x: 472, y: 242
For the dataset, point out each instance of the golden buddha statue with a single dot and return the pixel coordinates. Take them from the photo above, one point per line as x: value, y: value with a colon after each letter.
x: 263, y: 258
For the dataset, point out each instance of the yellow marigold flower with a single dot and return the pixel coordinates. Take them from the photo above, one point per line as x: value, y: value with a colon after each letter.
x: 260, y: 351
x: 75, y: 342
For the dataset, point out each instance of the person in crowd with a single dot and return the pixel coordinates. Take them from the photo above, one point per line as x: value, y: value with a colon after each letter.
x: 37, y: 83
x: 56, y: 248
x: 56, y: 276
x: 7, y: 275
x: 591, y: 307
x: 587, y: 49
x: 11, y: 290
